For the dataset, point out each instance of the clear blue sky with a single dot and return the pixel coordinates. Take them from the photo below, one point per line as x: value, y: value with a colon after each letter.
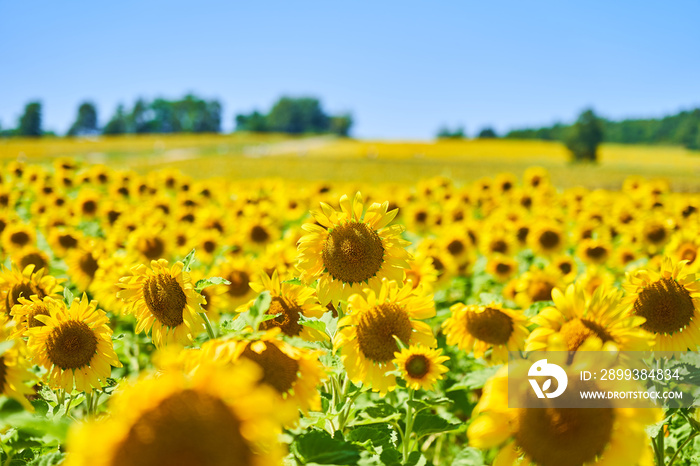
x: 402, y: 68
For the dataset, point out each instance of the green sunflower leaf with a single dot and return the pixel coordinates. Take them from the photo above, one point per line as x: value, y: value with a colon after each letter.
x: 204, y: 283
x: 68, y: 296
x: 315, y: 324
x: 470, y: 456
x: 427, y: 423
x: 261, y: 304
x: 319, y: 447
x: 187, y: 261
x: 475, y: 379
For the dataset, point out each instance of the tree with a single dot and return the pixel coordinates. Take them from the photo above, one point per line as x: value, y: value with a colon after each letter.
x: 255, y: 122
x: 298, y: 115
x: 446, y: 133
x: 341, y: 125
x: 30, y: 121
x: 118, y: 123
x: 584, y: 137
x: 86, y: 121
x: 487, y: 133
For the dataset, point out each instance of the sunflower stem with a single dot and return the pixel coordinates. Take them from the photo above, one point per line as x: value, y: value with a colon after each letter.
x: 687, y: 441
x: 409, y: 426
x: 658, y: 445
x: 88, y: 402
x: 207, y: 325
x: 70, y: 400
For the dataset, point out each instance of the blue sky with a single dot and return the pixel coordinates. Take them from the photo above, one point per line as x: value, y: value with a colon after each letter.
x: 402, y: 68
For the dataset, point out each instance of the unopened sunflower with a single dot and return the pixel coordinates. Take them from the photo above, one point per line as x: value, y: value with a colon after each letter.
x: 578, y: 316
x: 420, y: 367
x: 164, y: 302
x: 669, y: 300
x: 367, y: 336
x: 480, y: 328
x: 351, y: 249
x: 74, y: 345
x: 548, y: 436
x: 292, y: 302
x: 213, y: 418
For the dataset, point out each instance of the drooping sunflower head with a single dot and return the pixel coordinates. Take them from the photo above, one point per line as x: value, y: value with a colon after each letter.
x: 367, y: 336
x: 74, y: 345
x: 16, y: 284
x: 480, y: 328
x: 420, y: 367
x: 669, y: 300
x: 351, y: 249
x: 164, y: 301
x: 214, y: 417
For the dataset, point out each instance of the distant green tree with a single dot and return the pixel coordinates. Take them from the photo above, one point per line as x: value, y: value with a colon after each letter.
x: 341, y: 125
x: 86, y: 121
x: 30, y: 121
x: 118, y: 123
x: 255, y: 122
x: 584, y: 137
x: 446, y: 133
x: 487, y: 133
x: 298, y: 115
x: 139, y: 119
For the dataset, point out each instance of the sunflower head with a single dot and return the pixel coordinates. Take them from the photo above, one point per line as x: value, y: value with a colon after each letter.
x: 351, y: 249
x: 420, y: 367
x: 25, y: 283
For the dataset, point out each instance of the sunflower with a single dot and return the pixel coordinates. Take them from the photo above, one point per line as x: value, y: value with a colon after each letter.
x: 536, y: 285
x: 685, y: 246
x: 14, y: 373
x: 15, y: 284
x: 669, y: 300
x: 64, y: 239
x: 212, y: 418
x: 498, y: 241
x: 478, y: 328
x: 16, y: 236
x: 594, y: 251
x: 655, y: 232
x: 83, y: 264
x: 578, y: 316
x: 104, y: 286
x: 549, y: 436
x: 565, y: 266
x: 421, y: 271
x: 351, y: 249
x: 367, y: 336
x: 546, y: 238
x: 31, y: 255
x: 240, y: 273
x: 502, y: 267
x: 291, y: 302
x: 164, y: 302
x: 294, y: 373
x: 24, y: 313
x: 74, y: 345
x: 420, y: 367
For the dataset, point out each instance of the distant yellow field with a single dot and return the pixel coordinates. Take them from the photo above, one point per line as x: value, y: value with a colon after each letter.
x: 248, y: 156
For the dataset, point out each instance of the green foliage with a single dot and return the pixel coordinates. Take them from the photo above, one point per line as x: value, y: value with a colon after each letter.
x: 584, y: 137
x: 30, y: 121
x: 487, y: 133
x: 302, y: 115
x: 319, y: 447
x: 118, y: 123
x: 86, y: 121
x: 446, y: 133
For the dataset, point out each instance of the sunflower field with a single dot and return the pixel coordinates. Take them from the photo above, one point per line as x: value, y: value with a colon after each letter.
x: 158, y: 319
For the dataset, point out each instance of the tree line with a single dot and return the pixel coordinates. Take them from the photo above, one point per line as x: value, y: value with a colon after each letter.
x: 191, y: 114
x: 680, y: 129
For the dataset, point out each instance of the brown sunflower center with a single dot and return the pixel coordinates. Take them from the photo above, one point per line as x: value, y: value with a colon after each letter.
x: 67, y: 241
x: 186, y: 428
x: 666, y: 305
x: 209, y: 246
x: 22, y: 290
x: 549, y: 239
x: 565, y: 267
x: 36, y: 310
x: 455, y: 247
x: 165, y: 299
x: 20, y: 238
x: 417, y: 366
x: 288, y: 320
x: 71, y: 345
x: 259, y: 234
x: 377, y: 328
x: 239, y: 283
x: 491, y: 325
x: 688, y: 252
x: 596, y: 252
x: 522, y: 234
x: 540, y: 290
x: 576, y: 331
x: 656, y: 234
x: 279, y: 370
x: 564, y: 436
x: 499, y: 246
x: 152, y: 248
x: 503, y: 269
x: 89, y: 207
x: 33, y: 258
x: 353, y: 253
x: 88, y: 265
